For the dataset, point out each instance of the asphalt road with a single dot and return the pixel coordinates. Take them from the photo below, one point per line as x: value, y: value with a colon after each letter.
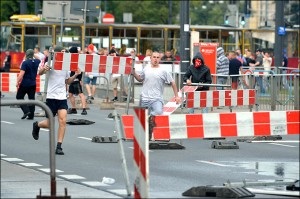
x: 171, y: 171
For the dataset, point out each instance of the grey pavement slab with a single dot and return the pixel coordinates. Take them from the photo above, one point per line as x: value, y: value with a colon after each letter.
x: 22, y: 182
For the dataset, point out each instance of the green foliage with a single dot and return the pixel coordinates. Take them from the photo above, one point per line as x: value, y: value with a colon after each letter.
x: 142, y: 11
x: 151, y: 11
x: 11, y: 7
x: 295, y: 13
x: 8, y: 8
x: 205, y: 13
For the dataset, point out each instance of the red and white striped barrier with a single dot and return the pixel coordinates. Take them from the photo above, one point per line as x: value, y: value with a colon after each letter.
x: 141, y: 155
x: 171, y: 106
x: 9, y: 80
x: 215, y: 125
x: 215, y: 98
x: 92, y: 63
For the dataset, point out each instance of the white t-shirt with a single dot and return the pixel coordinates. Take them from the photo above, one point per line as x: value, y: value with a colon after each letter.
x: 40, y: 55
x: 57, y: 84
x: 267, y: 61
x: 154, y: 82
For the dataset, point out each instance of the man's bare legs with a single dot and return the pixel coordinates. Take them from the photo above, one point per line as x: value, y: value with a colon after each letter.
x: 62, y: 120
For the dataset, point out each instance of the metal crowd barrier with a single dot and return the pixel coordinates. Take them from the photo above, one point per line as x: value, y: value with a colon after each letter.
x: 51, y: 135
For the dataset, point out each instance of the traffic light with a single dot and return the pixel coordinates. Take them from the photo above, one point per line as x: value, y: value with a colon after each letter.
x: 226, y: 19
x: 243, y: 21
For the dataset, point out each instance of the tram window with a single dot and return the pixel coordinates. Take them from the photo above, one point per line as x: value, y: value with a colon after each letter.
x: 118, y: 32
x: 17, y: 31
x: 43, y: 31
x: 91, y: 32
x: 173, y: 33
x: 103, y: 32
x: 131, y: 32
x: 208, y: 35
x: 157, y: 33
x: 31, y: 31
x: 152, y: 33
x: 69, y: 31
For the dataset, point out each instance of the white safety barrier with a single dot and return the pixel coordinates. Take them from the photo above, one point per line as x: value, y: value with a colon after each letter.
x: 141, y: 155
x: 215, y: 125
x: 171, y: 106
x: 216, y: 98
x: 9, y: 80
x: 92, y: 63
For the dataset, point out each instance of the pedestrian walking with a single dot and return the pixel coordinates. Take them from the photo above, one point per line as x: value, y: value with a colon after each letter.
x: 26, y: 83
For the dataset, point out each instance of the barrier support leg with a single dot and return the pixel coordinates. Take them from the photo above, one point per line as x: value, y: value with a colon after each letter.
x: 123, y: 159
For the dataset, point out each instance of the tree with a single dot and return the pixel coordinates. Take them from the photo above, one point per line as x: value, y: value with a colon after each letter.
x: 8, y: 8
x: 294, y: 13
x: 205, y: 13
x: 11, y: 7
x: 143, y: 11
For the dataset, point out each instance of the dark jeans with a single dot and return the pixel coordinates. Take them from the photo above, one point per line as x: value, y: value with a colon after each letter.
x: 30, y: 91
x: 259, y: 81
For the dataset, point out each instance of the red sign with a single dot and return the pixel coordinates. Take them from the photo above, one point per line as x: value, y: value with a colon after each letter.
x: 108, y: 18
x: 209, y: 53
x: 16, y: 60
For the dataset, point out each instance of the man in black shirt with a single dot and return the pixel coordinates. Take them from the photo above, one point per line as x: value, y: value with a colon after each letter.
x: 75, y: 88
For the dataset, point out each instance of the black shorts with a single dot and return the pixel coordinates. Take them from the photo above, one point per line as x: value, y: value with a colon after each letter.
x: 56, y: 105
x: 75, y: 88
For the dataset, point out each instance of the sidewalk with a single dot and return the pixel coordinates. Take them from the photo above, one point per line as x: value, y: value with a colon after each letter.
x: 22, y: 182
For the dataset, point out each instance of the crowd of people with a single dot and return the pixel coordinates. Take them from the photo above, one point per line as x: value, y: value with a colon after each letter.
x: 62, y: 85
x: 232, y: 63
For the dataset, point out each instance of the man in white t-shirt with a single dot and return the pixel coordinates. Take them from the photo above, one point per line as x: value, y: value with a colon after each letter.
x: 56, y: 100
x: 154, y: 79
x: 267, y: 61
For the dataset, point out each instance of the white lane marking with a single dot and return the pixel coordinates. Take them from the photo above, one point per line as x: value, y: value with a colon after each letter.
x: 6, y: 122
x: 29, y: 164
x: 94, y: 183
x: 214, y: 163
x: 282, y: 145
x: 3, y: 155
x: 73, y: 177
x: 13, y: 159
x: 85, y: 138
x: 274, y: 192
x: 47, y: 170
x: 276, y: 141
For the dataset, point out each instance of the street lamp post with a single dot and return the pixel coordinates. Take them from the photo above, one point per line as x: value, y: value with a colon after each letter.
x: 84, y: 23
x: 63, y: 4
